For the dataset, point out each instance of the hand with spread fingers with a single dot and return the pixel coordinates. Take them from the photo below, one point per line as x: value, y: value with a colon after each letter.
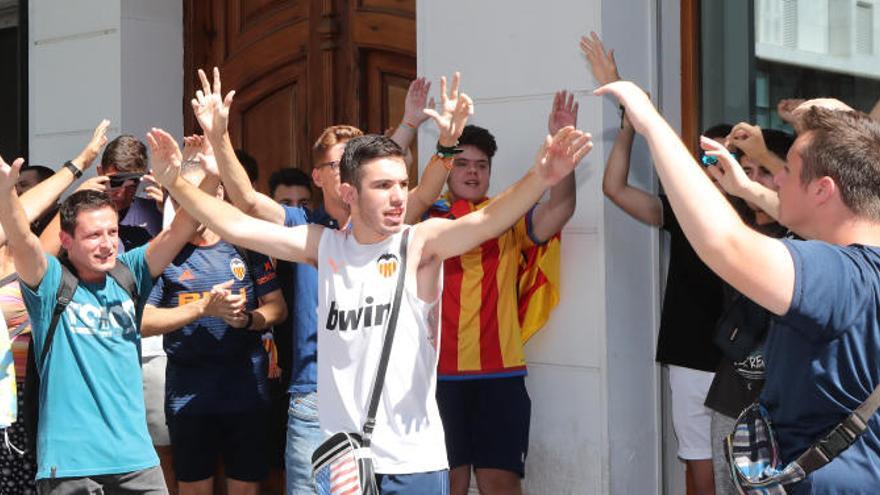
x: 564, y: 112
x: 165, y: 156
x: 602, y: 63
x: 455, y: 108
x: 210, y: 107
x: 561, y: 153
x: 416, y: 102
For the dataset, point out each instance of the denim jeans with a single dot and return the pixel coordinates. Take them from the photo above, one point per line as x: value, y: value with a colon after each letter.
x: 303, y: 437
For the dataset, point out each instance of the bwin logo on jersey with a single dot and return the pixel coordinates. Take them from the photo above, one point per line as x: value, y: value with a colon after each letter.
x: 353, y: 319
x: 387, y: 264
x: 238, y: 269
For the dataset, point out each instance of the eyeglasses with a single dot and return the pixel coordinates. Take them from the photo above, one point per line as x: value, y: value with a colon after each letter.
x: 334, y: 165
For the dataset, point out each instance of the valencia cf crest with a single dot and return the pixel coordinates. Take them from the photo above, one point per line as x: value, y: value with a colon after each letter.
x: 238, y: 269
x: 387, y: 264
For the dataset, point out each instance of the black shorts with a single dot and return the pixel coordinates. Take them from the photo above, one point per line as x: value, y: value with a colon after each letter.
x: 198, y: 440
x: 486, y: 422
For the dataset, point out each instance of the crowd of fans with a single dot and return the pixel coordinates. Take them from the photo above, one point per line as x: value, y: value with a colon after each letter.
x: 212, y: 337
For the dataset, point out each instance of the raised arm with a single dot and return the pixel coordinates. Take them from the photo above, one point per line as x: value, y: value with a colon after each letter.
x: 549, y: 217
x: 413, y: 115
x: 44, y: 195
x: 167, y: 244
x: 710, y: 223
x: 557, y: 158
x: 639, y: 204
x: 212, y: 112
x: 455, y: 109
x: 298, y: 244
x: 30, y: 262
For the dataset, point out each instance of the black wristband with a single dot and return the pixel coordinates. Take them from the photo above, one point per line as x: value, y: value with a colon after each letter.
x: 250, y: 320
x: 77, y: 173
x: 447, y: 151
x: 622, y: 115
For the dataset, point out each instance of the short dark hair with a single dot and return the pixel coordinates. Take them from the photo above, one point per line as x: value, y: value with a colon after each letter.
x: 480, y: 138
x: 80, y: 201
x: 363, y: 149
x: 718, y: 131
x: 126, y: 153
x: 846, y: 147
x: 43, y: 173
x: 288, y: 176
x: 251, y: 167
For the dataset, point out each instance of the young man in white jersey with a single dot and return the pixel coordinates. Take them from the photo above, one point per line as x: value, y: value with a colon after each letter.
x: 355, y: 293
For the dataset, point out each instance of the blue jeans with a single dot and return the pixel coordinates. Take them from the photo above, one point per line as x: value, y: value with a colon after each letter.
x: 303, y: 437
x: 433, y: 483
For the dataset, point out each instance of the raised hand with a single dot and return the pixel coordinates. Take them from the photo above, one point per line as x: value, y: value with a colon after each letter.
x: 416, y: 102
x: 9, y: 175
x: 602, y: 63
x: 93, y: 147
x: 637, y: 104
x: 210, y: 107
x: 455, y: 108
x: 561, y: 153
x: 785, y: 108
x: 165, y: 156
x: 727, y: 171
x: 564, y: 112
x: 749, y: 139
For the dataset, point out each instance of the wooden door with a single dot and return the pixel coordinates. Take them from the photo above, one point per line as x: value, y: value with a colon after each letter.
x: 299, y: 66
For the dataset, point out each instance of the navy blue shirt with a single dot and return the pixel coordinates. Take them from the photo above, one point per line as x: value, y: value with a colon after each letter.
x: 213, y: 367
x: 823, y: 360
x: 301, y: 293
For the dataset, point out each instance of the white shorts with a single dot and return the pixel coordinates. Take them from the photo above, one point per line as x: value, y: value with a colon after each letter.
x: 154, y: 399
x: 691, y: 419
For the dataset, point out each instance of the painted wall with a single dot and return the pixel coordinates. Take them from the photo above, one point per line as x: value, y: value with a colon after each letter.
x: 596, y: 424
x: 94, y: 59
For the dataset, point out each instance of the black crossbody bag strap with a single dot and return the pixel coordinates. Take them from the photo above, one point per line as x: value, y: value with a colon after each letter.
x: 69, y: 282
x: 841, y: 437
x: 379, y: 383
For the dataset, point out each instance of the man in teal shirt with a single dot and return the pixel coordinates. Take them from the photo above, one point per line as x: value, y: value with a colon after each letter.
x: 92, y: 433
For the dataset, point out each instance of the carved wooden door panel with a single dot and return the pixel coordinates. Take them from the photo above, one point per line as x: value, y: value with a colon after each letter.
x: 299, y: 66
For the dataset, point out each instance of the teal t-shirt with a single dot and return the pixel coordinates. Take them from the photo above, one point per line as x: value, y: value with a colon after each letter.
x: 92, y: 416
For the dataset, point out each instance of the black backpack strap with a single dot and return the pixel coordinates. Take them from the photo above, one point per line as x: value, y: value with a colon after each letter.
x: 8, y: 279
x: 68, y: 285
x: 121, y: 273
x: 379, y: 383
